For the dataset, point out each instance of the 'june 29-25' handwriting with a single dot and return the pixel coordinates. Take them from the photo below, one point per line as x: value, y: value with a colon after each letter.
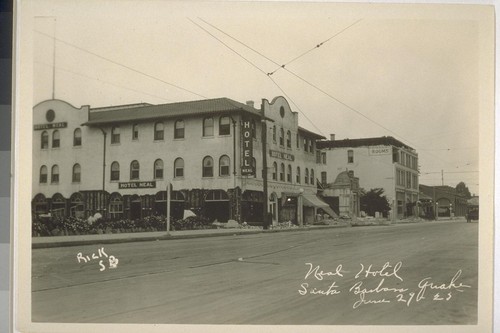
x: 372, y: 284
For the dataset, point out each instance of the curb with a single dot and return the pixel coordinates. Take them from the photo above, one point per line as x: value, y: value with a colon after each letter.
x: 69, y: 243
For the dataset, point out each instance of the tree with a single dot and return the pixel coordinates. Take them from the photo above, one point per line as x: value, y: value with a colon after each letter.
x: 374, y: 201
x: 463, y: 190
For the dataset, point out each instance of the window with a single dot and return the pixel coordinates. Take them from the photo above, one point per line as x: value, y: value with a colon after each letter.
x: 275, y: 171
x: 208, y: 167
x: 297, y: 140
x: 298, y: 175
x: 318, y: 157
x: 408, y: 179
x: 116, y: 206
x: 208, y: 127
x: 305, y: 144
x: 323, y: 178
x: 312, y: 177
x: 135, y: 132
x: 311, y: 146
x: 254, y: 129
x: 43, y: 175
x: 306, y: 176
x: 350, y: 156
x: 134, y: 170
x: 159, y: 131
x: 45, y: 140
x: 77, y: 137
x: 56, y: 140
x: 115, y: 171
x: 77, y: 172
x: 158, y: 169
x: 323, y: 157
x: 224, y: 126
x: 224, y: 165
x: 54, y: 176
x: 179, y: 168
x: 282, y: 137
x: 289, y: 139
x: 179, y: 129
x: 274, y: 133
x: 289, y: 174
x: 282, y: 172
x: 395, y: 155
x: 115, y: 135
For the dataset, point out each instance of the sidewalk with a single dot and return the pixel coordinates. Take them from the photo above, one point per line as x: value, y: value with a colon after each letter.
x: 60, y: 241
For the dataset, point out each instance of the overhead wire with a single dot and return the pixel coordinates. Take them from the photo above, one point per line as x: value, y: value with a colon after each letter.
x: 323, y: 91
x: 118, y: 64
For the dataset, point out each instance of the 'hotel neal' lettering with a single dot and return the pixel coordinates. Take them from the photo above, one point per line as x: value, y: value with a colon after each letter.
x: 246, y: 131
x: 49, y: 126
x: 281, y: 155
x: 137, y: 185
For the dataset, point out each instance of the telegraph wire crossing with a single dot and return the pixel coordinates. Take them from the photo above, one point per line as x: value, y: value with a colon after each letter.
x: 314, y: 86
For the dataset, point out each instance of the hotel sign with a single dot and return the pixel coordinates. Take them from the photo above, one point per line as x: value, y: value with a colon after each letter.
x: 246, y: 131
x: 281, y: 155
x: 50, y: 126
x: 137, y: 185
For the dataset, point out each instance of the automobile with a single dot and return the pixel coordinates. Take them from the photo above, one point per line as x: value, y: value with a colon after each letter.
x: 472, y: 209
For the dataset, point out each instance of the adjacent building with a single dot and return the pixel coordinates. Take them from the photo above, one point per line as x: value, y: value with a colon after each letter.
x: 442, y: 199
x: 222, y: 159
x: 379, y: 162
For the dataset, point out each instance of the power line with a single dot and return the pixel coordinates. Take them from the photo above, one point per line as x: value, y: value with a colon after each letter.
x: 259, y: 69
x: 103, y: 81
x: 119, y: 64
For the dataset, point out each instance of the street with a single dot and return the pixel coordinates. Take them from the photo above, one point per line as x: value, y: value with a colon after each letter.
x: 405, y: 274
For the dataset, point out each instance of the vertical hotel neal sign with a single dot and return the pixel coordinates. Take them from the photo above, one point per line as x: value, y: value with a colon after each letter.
x: 246, y: 131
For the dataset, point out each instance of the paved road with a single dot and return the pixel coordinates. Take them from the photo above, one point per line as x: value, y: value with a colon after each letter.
x: 261, y: 279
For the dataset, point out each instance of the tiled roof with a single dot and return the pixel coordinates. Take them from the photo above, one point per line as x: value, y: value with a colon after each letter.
x: 162, y: 111
x: 309, y: 133
x: 352, y: 143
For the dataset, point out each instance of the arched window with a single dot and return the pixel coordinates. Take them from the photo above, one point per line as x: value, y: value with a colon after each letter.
x: 208, y: 127
x: 77, y: 137
x: 179, y: 129
x: 45, y: 140
x: 298, y: 175
x: 115, y: 135
x: 224, y: 165
x: 208, y: 167
x: 282, y: 172
x: 115, y: 171
x: 77, y: 172
x: 289, y: 139
x: 56, y: 139
x: 158, y: 169
x: 43, y: 175
x: 116, y: 206
x: 135, y: 132
x: 275, y: 171
x: 54, y: 175
x: 77, y: 208
x: 306, y: 176
x: 159, y: 132
x: 224, y: 125
x: 134, y: 170
x: 179, y: 168
x: 274, y: 133
x: 282, y: 137
x: 312, y: 177
x: 289, y: 174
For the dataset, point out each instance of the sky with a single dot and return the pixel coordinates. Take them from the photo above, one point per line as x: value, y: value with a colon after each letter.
x: 383, y: 70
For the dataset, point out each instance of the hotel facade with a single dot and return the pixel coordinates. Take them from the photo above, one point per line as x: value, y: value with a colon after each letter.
x: 221, y: 159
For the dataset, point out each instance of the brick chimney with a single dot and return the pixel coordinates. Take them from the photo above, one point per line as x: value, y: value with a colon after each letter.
x: 250, y: 103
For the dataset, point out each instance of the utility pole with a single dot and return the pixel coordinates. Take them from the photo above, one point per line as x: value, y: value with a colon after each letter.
x: 264, y: 164
x: 442, y: 177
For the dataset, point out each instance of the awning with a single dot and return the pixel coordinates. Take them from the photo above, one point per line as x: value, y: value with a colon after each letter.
x: 310, y: 200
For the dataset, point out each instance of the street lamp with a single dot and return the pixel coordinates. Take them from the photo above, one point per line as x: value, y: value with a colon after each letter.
x: 437, y: 207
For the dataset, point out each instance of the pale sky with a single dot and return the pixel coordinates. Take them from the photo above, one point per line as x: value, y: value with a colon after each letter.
x: 414, y: 71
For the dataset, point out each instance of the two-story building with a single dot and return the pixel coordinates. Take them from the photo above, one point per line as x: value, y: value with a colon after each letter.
x: 380, y: 162
x: 119, y: 160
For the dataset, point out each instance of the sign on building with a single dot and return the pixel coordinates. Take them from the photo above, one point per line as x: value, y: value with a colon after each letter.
x: 137, y: 185
x: 281, y: 155
x: 39, y: 127
x: 381, y: 150
x: 247, y: 151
